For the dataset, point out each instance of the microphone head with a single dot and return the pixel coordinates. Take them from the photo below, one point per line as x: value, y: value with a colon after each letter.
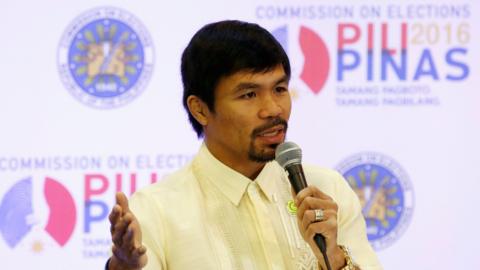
x: 288, y: 153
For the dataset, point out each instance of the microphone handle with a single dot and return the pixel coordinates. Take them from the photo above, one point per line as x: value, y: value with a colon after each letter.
x: 298, y: 182
x: 296, y: 177
x: 320, y: 240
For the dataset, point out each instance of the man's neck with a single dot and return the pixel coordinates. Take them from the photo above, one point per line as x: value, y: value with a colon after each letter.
x: 248, y: 168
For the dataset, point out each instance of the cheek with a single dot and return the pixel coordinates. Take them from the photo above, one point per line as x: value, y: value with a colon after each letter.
x: 233, y: 127
x: 287, y: 107
x: 238, y: 123
x: 241, y: 130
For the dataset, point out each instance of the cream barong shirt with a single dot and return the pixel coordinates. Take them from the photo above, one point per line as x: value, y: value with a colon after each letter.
x: 208, y: 216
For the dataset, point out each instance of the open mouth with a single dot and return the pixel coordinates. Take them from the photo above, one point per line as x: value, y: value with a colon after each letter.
x: 272, y: 132
x: 272, y: 136
x: 276, y: 127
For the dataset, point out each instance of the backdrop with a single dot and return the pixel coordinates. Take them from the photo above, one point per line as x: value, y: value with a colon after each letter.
x: 386, y: 92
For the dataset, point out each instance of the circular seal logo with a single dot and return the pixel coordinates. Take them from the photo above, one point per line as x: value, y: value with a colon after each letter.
x: 385, y: 193
x: 105, y: 57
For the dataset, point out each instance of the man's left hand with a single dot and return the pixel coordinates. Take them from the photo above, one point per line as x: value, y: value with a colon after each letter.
x: 307, y: 200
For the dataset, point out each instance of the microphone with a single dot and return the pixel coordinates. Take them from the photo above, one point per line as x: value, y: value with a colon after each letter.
x: 289, y: 156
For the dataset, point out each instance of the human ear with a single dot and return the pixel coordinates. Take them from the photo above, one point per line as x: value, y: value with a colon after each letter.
x: 198, y: 109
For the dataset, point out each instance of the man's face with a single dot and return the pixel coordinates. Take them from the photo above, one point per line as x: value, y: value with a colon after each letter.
x: 250, y: 118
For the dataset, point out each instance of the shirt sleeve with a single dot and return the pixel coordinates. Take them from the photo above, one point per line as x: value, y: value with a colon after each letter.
x: 148, y: 214
x: 351, y: 226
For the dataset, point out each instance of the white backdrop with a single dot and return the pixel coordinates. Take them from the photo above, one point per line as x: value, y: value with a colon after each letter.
x: 73, y: 131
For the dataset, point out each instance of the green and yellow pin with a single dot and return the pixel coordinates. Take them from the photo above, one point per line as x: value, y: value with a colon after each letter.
x: 291, y: 207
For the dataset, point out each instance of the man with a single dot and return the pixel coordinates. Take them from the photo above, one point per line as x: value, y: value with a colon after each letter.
x: 231, y: 208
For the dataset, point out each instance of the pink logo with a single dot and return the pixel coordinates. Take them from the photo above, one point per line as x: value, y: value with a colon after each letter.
x: 63, y: 216
x: 316, y: 65
x: 16, y: 209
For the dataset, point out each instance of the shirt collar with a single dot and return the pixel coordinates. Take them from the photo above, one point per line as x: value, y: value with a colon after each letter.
x: 232, y: 183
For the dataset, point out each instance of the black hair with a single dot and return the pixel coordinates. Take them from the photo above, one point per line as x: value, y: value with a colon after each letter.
x: 221, y: 49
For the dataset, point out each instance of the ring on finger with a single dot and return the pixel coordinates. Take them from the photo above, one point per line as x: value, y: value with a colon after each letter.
x: 319, y: 215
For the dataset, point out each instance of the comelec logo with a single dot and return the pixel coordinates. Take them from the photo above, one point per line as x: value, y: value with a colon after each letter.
x: 17, y: 211
x: 385, y: 193
x: 105, y: 57
x: 316, y: 64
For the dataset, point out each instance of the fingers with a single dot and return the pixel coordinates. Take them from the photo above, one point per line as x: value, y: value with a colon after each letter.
x: 310, y: 191
x: 118, y: 210
x: 127, y: 239
x: 122, y: 200
x: 309, y: 218
x: 119, y: 229
x: 117, y: 252
x: 126, y: 234
x: 114, y: 216
x: 132, y: 238
x: 120, y: 219
x: 139, y: 251
x: 308, y: 200
x: 134, y: 227
x: 134, y: 259
x: 326, y: 228
x: 312, y: 203
x: 127, y: 244
x: 312, y: 198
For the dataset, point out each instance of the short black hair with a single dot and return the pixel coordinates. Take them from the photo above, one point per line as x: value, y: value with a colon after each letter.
x: 221, y: 49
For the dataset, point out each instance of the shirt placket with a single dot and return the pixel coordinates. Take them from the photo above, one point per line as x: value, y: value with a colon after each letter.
x: 270, y: 245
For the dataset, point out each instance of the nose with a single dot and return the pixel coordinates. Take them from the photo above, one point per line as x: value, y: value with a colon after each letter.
x: 270, y: 107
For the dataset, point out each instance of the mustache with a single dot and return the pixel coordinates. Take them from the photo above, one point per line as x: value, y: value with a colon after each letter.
x: 274, y: 122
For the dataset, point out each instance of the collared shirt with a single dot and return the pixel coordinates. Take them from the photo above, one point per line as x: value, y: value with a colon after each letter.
x: 208, y: 216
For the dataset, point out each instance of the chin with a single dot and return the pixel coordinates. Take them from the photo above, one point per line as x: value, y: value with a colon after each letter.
x: 264, y: 155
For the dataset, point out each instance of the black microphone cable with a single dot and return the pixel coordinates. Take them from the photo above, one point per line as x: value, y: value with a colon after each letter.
x: 323, y: 248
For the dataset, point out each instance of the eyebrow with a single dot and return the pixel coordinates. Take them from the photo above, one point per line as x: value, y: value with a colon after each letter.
x: 249, y: 85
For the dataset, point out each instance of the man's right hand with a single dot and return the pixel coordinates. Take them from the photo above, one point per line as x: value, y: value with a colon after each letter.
x: 128, y: 251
